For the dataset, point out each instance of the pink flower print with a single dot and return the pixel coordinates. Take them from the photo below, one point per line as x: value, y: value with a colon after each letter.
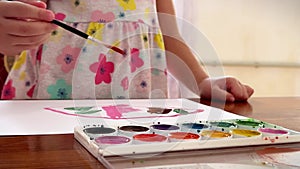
x: 8, y: 92
x: 125, y: 83
x: 68, y: 58
x: 60, y: 16
x: 103, y: 70
x: 136, y: 61
x: 99, y: 16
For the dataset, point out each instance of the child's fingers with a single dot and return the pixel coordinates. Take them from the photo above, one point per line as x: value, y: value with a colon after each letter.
x: 39, y: 4
x: 15, y: 45
x: 237, y: 89
x: 32, y: 40
x: 250, y: 90
x: 22, y: 47
x: 25, y: 28
x: 32, y: 45
x: 22, y: 10
x: 221, y: 95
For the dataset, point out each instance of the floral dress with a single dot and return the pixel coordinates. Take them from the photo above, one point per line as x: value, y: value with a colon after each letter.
x: 70, y: 67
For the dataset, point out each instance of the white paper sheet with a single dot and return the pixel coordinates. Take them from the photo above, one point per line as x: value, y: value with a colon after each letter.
x: 32, y: 117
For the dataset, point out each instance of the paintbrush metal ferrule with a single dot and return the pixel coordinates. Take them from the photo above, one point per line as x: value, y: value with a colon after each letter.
x: 99, y: 42
x: 114, y: 48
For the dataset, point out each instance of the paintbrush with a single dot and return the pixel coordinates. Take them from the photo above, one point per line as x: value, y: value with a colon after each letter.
x: 86, y: 36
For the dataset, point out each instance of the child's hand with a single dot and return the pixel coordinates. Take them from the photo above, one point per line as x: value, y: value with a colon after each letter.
x: 23, y: 25
x: 224, y: 88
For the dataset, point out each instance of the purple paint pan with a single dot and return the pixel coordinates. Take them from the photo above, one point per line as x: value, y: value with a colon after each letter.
x: 164, y: 129
x: 112, y: 140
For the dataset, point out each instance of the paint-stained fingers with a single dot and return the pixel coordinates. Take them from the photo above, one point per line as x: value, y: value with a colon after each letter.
x: 25, y: 10
x: 25, y: 28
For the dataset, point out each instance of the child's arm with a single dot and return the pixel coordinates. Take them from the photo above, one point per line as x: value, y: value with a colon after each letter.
x: 23, y: 26
x: 182, y: 63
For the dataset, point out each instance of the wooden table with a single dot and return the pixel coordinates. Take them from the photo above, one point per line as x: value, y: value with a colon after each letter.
x: 63, y: 151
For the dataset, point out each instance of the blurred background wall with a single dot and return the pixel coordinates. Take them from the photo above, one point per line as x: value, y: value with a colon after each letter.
x: 257, y: 41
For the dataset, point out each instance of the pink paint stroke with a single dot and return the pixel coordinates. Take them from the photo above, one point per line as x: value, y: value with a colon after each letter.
x: 115, y: 112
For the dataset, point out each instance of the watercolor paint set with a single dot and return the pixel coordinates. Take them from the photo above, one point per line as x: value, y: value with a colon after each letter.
x: 158, y: 138
x: 150, y: 127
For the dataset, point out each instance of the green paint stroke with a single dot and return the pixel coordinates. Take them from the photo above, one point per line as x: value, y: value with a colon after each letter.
x: 180, y: 111
x: 78, y: 108
x: 87, y: 112
x: 82, y: 110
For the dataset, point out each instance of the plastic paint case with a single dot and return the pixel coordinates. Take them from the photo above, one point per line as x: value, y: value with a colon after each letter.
x: 215, y: 134
x: 194, y: 127
x: 149, y: 138
x: 245, y: 133
x: 183, y: 136
x: 164, y: 129
x: 132, y: 130
x: 273, y: 132
x: 104, y: 141
x: 94, y: 132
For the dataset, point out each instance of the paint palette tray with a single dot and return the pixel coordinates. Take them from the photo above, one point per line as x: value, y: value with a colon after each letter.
x: 139, y: 128
x: 162, y: 138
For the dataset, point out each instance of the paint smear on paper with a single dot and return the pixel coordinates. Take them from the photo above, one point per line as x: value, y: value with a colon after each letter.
x: 158, y: 110
x: 82, y: 110
x: 285, y: 157
x: 79, y: 108
x: 116, y: 111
